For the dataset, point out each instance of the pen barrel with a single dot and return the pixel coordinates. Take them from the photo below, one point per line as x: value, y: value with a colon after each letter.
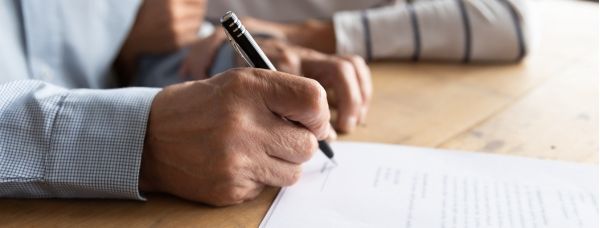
x: 248, y: 44
x: 324, y: 146
x: 236, y: 31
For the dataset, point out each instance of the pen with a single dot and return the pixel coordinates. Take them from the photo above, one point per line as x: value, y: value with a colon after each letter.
x: 246, y: 47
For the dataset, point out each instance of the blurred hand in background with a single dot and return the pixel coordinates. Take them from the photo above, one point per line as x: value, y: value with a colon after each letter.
x: 347, y: 79
x: 161, y: 26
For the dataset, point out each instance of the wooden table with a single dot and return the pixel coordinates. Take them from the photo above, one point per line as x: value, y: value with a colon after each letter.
x: 546, y: 107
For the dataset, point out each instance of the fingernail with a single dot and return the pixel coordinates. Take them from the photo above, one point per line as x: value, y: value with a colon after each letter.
x: 332, y: 133
x: 363, y: 116
x: 350, y: 123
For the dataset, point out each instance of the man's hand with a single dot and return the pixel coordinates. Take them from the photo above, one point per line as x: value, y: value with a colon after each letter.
x: 347, y: 79
x: 160, y: 26
x: 221, y: 140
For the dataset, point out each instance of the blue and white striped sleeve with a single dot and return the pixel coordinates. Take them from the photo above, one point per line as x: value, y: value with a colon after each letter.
x: 80, y: 143
x: 447, y: 30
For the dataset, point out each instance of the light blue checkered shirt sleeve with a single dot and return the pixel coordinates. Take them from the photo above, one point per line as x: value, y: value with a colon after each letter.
x: 79, y: 143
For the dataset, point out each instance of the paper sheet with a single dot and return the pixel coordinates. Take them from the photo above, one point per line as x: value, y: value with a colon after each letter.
x: 395, y: 186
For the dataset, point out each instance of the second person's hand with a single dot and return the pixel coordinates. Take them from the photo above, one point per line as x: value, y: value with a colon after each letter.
x: 347, y: 79
x: 161, y: 26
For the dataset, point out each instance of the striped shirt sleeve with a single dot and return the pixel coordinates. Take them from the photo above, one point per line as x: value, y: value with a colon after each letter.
x: 447, y: 30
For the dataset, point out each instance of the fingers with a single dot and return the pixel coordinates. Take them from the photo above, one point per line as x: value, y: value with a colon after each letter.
x: 347, y: 76
x: 277, y: 172
x: 349, y: 102
x: 295, y: 98
x: 289, y: 146
x: 363, y: 74
x: 339, y: 76
x: 286, y: 147
x: 289, y: 142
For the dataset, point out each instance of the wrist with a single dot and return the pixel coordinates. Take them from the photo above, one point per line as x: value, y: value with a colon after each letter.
x: 145, y: 182
x: 148, y: 176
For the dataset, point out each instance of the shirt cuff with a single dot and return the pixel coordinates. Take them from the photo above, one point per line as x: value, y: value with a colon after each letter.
x: 349, y: 33
x: 97, y: 143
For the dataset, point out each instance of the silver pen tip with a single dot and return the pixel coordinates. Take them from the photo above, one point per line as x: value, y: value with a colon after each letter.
x: 228, y: 15
x: 334, y: 162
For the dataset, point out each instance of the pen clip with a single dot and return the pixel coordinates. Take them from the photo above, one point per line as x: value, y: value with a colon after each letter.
x: 239, y: 50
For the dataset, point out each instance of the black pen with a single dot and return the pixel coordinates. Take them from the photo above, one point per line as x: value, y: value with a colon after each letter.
x: 246, y: 47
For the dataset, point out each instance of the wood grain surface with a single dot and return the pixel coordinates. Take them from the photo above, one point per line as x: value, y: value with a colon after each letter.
x: 544, y: 107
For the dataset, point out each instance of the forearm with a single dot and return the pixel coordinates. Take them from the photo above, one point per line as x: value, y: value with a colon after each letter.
x: 71, y: 143
x: 453, y: 30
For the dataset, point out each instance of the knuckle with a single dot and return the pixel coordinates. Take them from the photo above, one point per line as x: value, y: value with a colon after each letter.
x: 236, y: 72
x: 232, y: 166
x: 344, y: 67
x: 290, y: 58
x: 357, y: 59
x: 238, y: 79
x: 316, y: 94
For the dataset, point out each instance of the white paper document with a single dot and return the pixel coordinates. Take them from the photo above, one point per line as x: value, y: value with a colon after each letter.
x: 379, y: 185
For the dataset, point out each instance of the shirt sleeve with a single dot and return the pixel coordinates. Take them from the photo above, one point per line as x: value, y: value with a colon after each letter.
x: 447, y: 30
x: 79, y: 143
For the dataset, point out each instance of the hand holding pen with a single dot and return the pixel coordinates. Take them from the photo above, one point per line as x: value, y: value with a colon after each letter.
x: 246, y: 47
